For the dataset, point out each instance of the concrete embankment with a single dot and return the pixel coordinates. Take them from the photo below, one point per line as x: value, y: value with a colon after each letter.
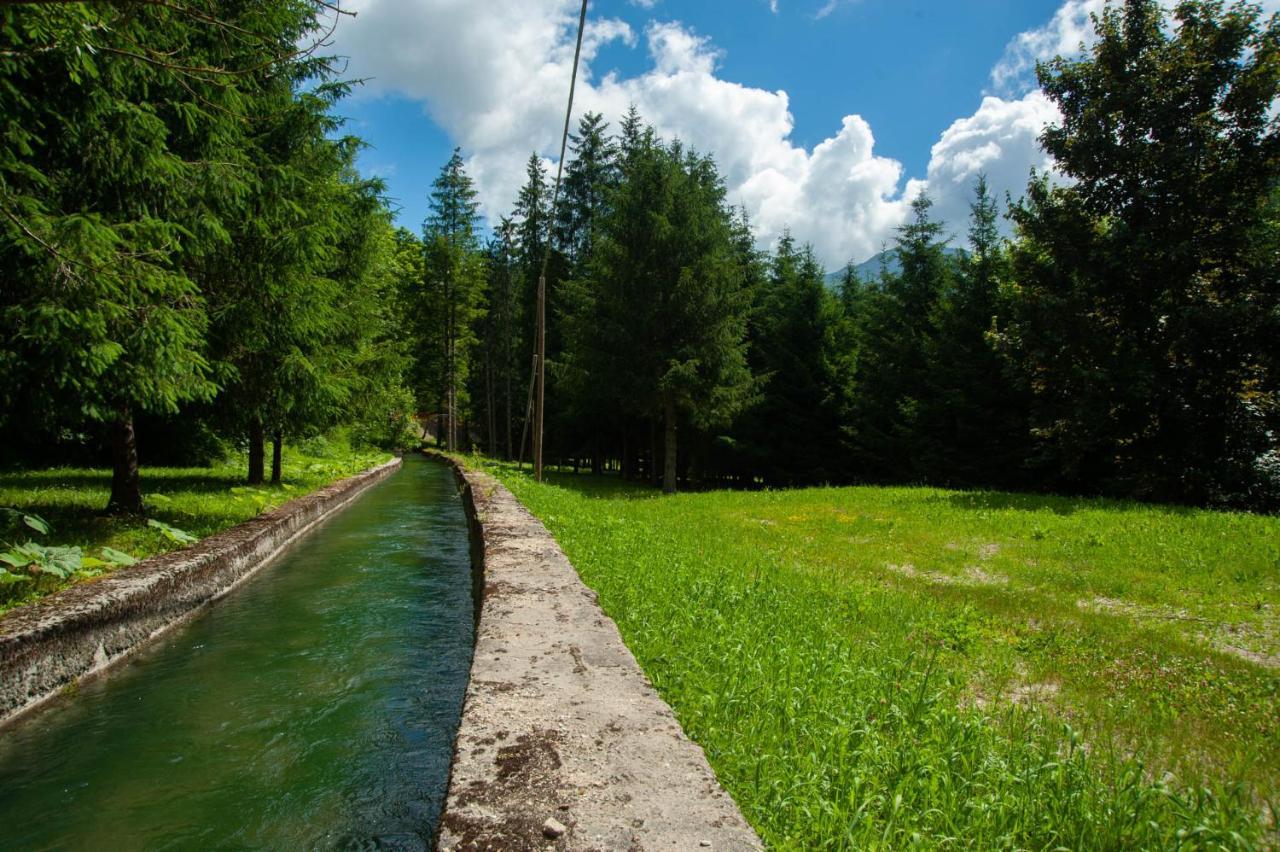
x: 564, y: 743
x: 82, y: 630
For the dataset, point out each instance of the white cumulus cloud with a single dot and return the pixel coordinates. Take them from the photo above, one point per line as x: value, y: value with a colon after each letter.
x: 1000, y: 140
x: 494, y: 75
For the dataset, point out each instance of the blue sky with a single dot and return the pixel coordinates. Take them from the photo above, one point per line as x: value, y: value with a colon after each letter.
x: 870, y: 89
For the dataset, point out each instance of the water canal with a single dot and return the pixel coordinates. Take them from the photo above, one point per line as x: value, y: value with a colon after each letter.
x: 315, y: 707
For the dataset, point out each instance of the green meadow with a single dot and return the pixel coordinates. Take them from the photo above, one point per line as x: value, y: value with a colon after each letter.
x: 915, y: 667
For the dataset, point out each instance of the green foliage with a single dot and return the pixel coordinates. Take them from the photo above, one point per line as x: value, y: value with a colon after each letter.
x: 660, y: 319
x: 793, y: 434
x: 915, y: 668
x: 893, y: 372
x: 22, y: 519
x: 176, y: 535
x: 33, y: 561
x: 1144, y: 290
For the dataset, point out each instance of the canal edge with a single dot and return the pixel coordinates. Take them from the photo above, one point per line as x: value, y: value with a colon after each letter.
x: 82, y: 631
x: 563, y: 742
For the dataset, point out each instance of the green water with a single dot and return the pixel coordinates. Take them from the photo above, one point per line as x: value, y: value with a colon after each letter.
x: 314, y: 707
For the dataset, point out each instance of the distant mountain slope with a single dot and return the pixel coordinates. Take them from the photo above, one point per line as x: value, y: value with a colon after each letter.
x: 870, y: 270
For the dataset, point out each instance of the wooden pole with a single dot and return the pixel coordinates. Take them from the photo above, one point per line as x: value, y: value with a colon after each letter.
x: 528, y: 406
x: 538, y: 417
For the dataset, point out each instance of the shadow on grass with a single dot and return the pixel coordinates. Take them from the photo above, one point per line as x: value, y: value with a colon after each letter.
x: 152, y: 482
x: 1005, y: 501
x: 614, y: 487
x: 606, y: 486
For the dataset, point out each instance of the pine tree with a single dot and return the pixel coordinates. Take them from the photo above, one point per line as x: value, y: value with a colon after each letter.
x: 455, y: 280
x: 892, y: 375
x: 793, y: 435
x: 587, y: 181
x: 973, y: 420
x: 663, y: 318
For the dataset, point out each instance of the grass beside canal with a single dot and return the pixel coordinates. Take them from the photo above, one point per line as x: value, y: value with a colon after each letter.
x: 194, y: 502
x: 914, y: 667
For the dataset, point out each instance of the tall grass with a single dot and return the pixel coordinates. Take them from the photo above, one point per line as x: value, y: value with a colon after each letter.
x: 899, y: 668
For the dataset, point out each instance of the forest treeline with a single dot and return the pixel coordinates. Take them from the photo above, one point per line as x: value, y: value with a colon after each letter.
x: 1124, y: 340
x: 188, y: 248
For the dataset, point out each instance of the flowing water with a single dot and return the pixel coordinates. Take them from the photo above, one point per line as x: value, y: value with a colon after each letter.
x: 314, y: 707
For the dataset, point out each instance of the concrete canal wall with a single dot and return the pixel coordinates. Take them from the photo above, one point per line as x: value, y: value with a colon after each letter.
x: 83, y: 629
x: 564, y: 744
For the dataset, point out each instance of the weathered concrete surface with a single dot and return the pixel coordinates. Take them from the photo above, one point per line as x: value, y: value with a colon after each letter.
x: 564, y: 744
x: 81, y: 630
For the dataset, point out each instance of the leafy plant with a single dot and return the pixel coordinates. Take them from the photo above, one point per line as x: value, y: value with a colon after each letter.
x: 172, y: 533
x: 20, y: 519
x: 110, y: 558
x: 260, y: 497
x: 32, y: 558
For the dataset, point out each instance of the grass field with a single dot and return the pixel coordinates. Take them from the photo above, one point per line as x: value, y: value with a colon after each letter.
x: 196, y: 501
x: 912, y: 667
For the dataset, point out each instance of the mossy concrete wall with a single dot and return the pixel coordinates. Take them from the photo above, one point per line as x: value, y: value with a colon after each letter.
x: 85, y: 628
x: 564, y: 744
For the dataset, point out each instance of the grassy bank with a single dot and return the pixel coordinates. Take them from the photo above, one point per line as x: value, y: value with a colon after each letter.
x: 897, y: 667
x: 185, y: 503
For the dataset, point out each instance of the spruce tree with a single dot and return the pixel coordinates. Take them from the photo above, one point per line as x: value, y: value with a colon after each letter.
x: 663, y: 322
x: 892, y: 376
x: 502, y: 387
x: 793, y: 435
x: 973, y: 420
x: 116, y: 165
x: 587, y: 181
x: 454, y: 288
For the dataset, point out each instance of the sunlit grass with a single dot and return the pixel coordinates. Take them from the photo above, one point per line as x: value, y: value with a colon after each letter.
x: 200, y: 501
x: 896, y: 667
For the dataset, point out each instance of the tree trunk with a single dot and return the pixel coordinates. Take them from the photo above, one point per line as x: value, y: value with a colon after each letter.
x: 256, y: 459
x: 651, y: 472
x: 510, y: 450
x: 669, y: 448
x: 597, y: 463
x: 490, y: 414
x: 126, y: 482
x: 276, y: 441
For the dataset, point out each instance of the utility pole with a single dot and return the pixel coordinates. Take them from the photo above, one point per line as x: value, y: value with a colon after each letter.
x: 540, y: 403
x: 540, y: 355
